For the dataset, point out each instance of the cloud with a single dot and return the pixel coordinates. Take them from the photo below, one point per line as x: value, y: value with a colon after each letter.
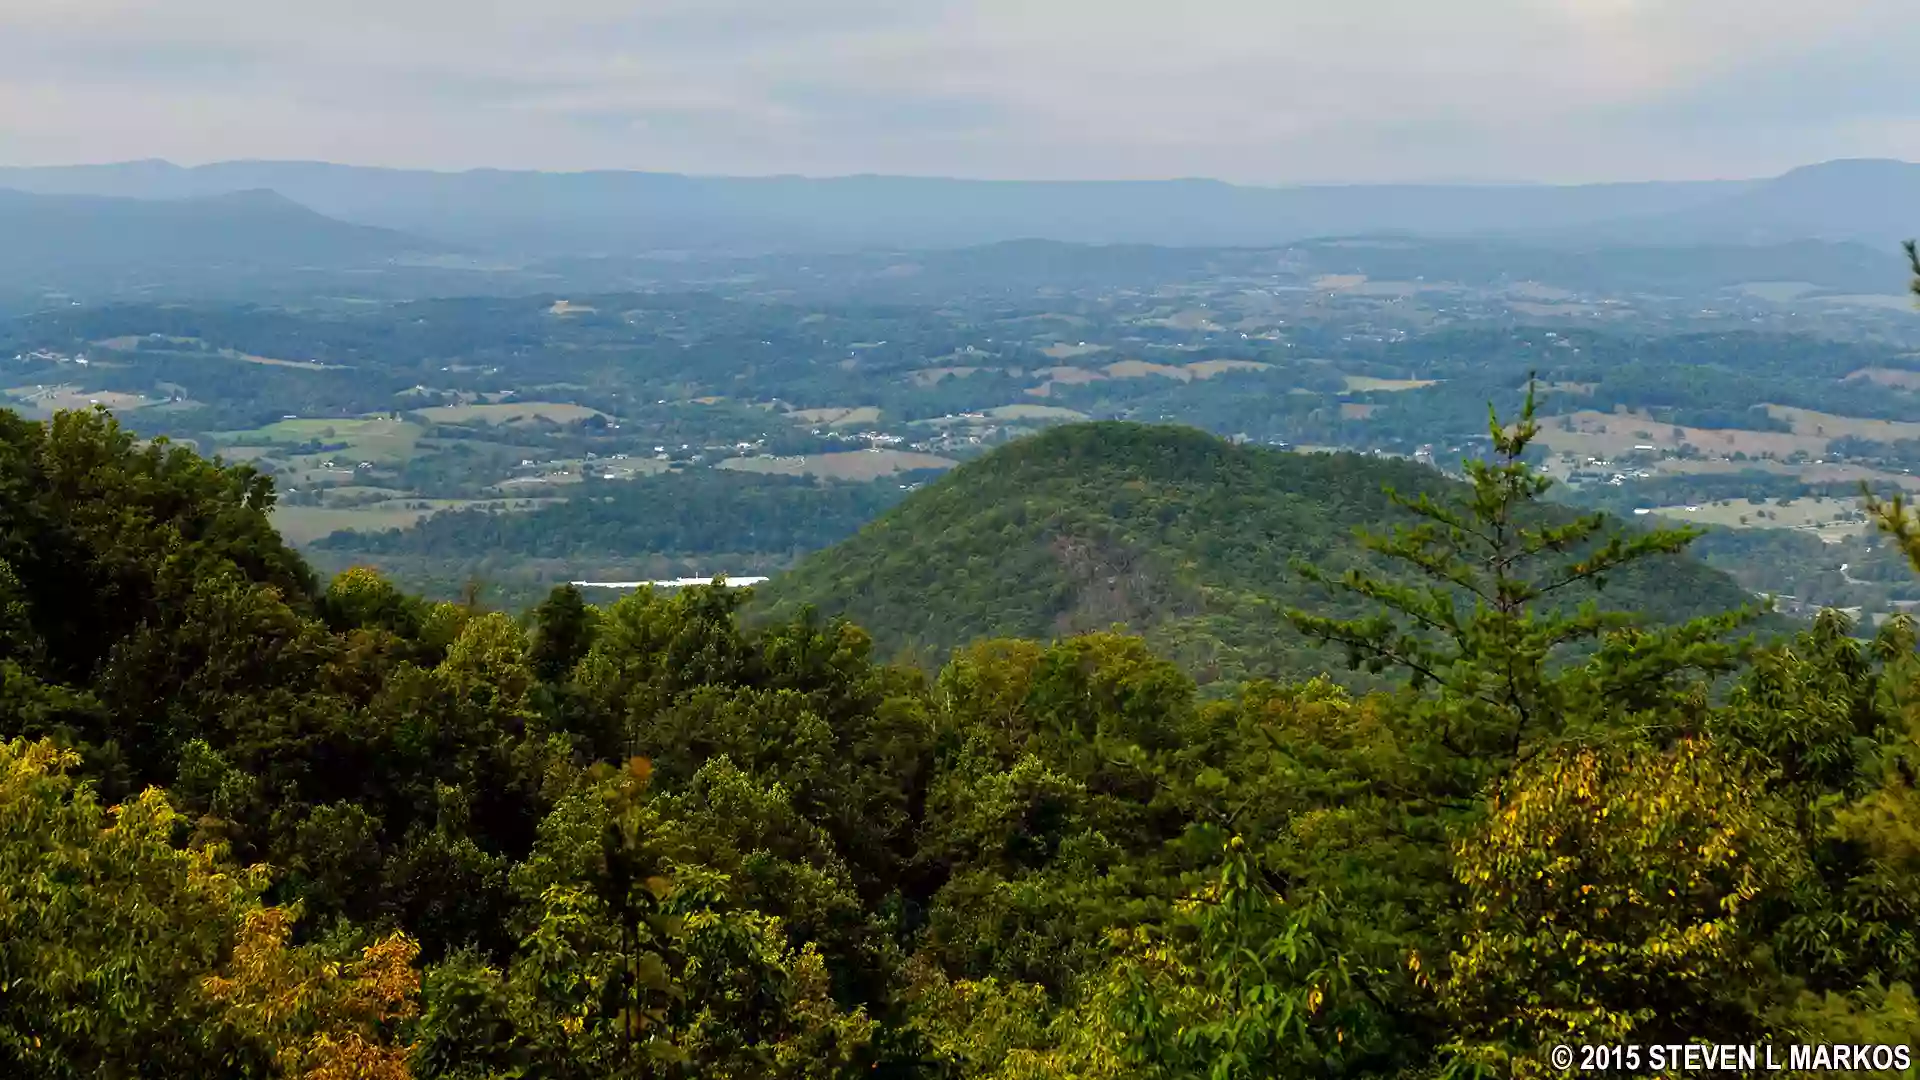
x: 1252, y: 90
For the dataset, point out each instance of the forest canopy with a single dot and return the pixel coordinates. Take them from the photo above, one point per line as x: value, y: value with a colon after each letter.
x: 253, y: 824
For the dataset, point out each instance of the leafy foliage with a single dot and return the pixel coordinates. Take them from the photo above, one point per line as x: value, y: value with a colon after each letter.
x: 252, y: 826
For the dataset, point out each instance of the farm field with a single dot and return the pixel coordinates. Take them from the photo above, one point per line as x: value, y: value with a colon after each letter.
x: 1895, y: 377
x: 1830, y: 426
x: 1542, y: 310
x: 1826, y: 473
x: 560, y: 477
x: 305, y: 524
x: 1335, y: 282
x: 378, y: 439
x: 131, y: 343
x: 838, y: 417
x: 365, y: 493
x: 1591, y: 433
x: 851, y: 465
x: 620, y: 470
x: 1207, y: 369
x: 1069, y: 374
x: 932, y: 376
x: 1368, y: 384
x: 571, y: 471
x: 1191, y: 319
x: 1067, y: 352
x: 1062, y: 376
x: 44, y: 401
x: 508, y: 413
x: 304, y: 365
x: 1140, y: 369
x: 1826, y: 516
x: 1034, y: 412
x: 1598, y: 434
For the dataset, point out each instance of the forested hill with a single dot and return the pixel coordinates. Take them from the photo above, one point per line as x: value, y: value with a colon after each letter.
x: 1184, y: 537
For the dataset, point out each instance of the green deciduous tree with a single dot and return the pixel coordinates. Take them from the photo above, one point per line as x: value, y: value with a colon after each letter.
x: 1243, y: 983
x: 563, y: 632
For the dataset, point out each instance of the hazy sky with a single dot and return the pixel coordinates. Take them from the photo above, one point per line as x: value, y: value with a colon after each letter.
x: 1250, y: 90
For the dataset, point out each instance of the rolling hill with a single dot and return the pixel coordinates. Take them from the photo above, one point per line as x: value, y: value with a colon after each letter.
x: 1184, y: 537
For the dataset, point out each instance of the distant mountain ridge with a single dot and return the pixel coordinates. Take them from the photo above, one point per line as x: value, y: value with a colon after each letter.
x: 110, y: 245
x: 1186, y: 538
x: 607, y: 212
x: 247, y: 225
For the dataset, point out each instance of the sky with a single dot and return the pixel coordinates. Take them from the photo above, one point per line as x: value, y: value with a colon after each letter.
x: 1251, y: 91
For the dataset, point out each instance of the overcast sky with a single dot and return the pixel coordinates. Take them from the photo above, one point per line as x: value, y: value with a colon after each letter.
x: 1259, y: 91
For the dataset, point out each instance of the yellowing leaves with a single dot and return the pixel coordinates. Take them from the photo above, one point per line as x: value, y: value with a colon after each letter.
x: 1681, y: 835
x: 145, y: 953
x: 324, y: 1019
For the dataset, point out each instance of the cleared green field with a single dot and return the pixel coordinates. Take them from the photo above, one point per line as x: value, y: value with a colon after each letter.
x: 838, y: 417
x: 1832, y: 426
x: 1826, y: 516
x: 1140, y: 369
x: 1035, y: 412
x: 851, y: 465
x: 376, y: 439
x: 305, y: 524
x: 516, y: 412
x: 1365, y: 383
x: 132, y: 342
x: 341, y: 496
x: 1064, y: 351
x: 44, y: 401
x: 1207, y: 369
x: 302, y: 428
x: 303, y: 365
x: 240, y: 452
x: 932, y: 376
x: 1827, y: 473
